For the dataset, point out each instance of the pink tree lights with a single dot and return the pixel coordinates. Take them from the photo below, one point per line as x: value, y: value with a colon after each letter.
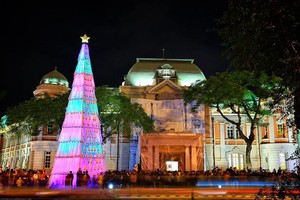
x: 80, y: 141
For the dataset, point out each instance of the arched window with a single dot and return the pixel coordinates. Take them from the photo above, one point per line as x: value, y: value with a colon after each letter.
x: 282, y: 162
x: 236, y: 160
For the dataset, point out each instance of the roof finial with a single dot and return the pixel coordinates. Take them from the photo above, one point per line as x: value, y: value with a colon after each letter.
x: 55, y: 67
x: 85, y: 38
x: 163, y: 53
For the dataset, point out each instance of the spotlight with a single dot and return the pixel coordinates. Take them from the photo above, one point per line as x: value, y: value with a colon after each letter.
x: 110, y: 186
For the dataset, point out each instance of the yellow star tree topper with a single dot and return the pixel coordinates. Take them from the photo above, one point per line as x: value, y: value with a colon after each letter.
x: 85, y: 38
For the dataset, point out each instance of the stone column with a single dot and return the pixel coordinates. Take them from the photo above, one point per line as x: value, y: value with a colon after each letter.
x: 193, y: 158
x: 222, y: 134
x: 150, y: 158
x: 187, y: 158
x: 31, y: 156
x: 222, y: 141
x: 156, y: 157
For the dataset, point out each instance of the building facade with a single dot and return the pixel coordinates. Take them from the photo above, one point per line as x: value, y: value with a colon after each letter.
x: 177, y: 142
x: 182, y: 140
x: 37, y: 151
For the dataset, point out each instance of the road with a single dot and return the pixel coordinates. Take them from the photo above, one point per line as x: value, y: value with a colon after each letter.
x: 129, y: 193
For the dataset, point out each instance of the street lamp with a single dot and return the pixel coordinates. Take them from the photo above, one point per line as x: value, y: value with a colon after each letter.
x: 213, y: 140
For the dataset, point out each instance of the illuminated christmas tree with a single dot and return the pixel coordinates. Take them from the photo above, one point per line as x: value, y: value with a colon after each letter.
x: 80, y: 141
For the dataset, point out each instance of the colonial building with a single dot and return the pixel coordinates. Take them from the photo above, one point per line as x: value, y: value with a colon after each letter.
x: 38, y: 151
x: 178, y: 140
x: 274, y: 143
x: 182, y: 140
x: 199, y: 141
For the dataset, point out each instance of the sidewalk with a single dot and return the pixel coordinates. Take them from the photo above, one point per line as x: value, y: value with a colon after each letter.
x: 48, y: 193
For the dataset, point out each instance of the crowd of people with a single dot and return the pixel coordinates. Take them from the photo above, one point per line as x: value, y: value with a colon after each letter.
x: 157, y: 178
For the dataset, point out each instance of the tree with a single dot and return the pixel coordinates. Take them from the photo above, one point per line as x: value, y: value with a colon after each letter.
x: 235, y: 91
x: 263, y: 35
x: 117, y: 111
x: 31, y: 114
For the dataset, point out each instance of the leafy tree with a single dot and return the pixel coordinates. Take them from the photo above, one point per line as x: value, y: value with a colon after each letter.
x: 235, y: 91
x: 117, y: 111
x: 33, y: 113
x: 284, y: 187
x: 263, y: 35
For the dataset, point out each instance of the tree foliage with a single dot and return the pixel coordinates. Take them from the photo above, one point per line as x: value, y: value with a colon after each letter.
x: 115, y: 111
x: 33, y: 113
x: 243, y: 92
x: 263, y: 35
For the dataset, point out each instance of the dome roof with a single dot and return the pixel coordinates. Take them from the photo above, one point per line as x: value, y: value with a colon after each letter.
x: 142, y: 73
x: 55, y: 78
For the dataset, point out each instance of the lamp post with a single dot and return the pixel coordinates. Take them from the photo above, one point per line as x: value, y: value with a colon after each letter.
x: 213, y: 140
x: 118, y: 147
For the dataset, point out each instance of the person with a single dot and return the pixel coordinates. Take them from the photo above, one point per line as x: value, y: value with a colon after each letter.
x: 69, y: 179
x: 279, y: 171
x: 19, y: 182
x: 85, y: 178
x: 135, y: 168
x: 36, y: 178
x: 100, y: 180
x: 79, y: 177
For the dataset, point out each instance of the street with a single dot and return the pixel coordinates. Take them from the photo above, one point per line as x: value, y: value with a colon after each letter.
x: 129, y: 193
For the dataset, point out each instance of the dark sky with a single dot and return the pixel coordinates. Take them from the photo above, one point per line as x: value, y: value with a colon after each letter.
x: 36, y: 37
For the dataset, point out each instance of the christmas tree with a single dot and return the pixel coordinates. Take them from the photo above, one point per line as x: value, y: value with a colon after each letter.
x: 80, y: 141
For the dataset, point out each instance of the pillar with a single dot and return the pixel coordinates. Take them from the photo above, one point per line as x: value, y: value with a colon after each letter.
x: 187, y: 158
x: 156, y: 157
x: 193, y: 158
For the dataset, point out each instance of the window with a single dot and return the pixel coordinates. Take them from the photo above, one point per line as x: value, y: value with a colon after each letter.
x: 113, y: 139
x: 47, y: 159
x: 241, y: 161
x: 280, y: 128
x: 230, y: 130
x: 50, y: 128
x: 236, y: 160
x: 282, y: 162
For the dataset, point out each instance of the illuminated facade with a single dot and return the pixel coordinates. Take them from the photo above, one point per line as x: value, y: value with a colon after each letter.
x: 178, y: 139
x: 274, y: 142
x: 36, y: 151
x: 53, y: 84
x: 157, y: 85
x: 182, y: 140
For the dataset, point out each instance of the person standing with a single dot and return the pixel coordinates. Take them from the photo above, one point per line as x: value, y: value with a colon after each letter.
x: 79, y: 177
x: 69, y: 179
x: 19, y: 182
x: 100, y: 180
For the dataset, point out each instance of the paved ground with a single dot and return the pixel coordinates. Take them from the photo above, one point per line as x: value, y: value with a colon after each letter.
x: 127, y: 193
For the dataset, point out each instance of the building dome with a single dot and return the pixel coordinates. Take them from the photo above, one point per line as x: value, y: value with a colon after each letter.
x: 55, y: 78
x: 53, y: 84
x: 144, y: 71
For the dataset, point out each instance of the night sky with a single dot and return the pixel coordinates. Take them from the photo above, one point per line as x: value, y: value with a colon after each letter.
x: 36, y: 37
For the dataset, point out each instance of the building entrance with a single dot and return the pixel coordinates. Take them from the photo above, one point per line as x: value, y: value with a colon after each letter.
x: 172, y: 158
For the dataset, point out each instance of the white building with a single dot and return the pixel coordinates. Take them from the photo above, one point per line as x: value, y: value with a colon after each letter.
x: 181, y: 140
